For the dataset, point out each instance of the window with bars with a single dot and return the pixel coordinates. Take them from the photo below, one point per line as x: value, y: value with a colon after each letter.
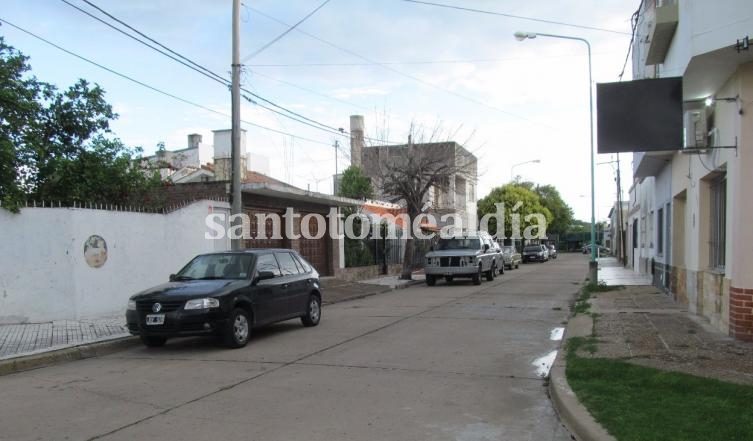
x: 660, y: 232
x: 718, y: 234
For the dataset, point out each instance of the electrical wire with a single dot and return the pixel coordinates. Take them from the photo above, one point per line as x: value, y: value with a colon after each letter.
x: 140, y: 83
x: 403, y: 74
x: 287, y: 31
x: 190, y: 64
x: 203, y: 70
x: 634, y: 24
x: 480, y: 11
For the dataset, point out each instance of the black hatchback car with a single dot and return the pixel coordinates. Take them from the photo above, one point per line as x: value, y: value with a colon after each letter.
x: 228, y: 294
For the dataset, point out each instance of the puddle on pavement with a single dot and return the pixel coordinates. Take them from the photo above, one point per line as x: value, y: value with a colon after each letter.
x: 557, y: 334
x: 543, y: 364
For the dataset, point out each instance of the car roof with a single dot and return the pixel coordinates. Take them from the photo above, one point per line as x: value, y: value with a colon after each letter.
x: 252, y: 251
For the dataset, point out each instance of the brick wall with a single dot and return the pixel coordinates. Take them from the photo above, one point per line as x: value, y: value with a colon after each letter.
x: 178, y: 194
x: 741, y: 313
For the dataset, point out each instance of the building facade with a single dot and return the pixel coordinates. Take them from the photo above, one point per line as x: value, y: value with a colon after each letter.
x: 690, y: 209
x: 458, y: 198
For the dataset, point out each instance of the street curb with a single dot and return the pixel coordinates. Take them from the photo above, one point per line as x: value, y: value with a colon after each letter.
x: 385, y: 290
x: 80, y: 352
x: 571, y: 412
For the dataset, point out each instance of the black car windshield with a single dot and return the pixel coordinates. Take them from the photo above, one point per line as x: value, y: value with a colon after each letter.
x: 216, y: 266
x: 471, y: 243
x: 532, y: 248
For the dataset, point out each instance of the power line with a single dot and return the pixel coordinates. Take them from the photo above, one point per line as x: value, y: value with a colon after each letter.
x: 199, y: 66
x: 140, y: 83
x: 539, y: 20
x: 276, y: 39
x: 634, y: 22
x: 403, y: 74
x: 201, y: 69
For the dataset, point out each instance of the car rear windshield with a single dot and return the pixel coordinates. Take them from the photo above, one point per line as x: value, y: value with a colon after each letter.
x: 532, y: 248
x: 216, y: 266
x: 471, y: 243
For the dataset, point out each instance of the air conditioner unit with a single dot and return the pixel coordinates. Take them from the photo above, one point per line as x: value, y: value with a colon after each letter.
x: 696, y: 129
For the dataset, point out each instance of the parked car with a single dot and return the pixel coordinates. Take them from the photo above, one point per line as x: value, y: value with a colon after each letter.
x: 228, y: 294
x: 500, y: 260
x: 535, y: 253
x: 463, y: 256
x: 552, y: 252
x: 600, y: 250
x: 511, y: 256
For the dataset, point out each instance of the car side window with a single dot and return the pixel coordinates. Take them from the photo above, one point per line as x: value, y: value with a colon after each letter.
x: 305, y: 265
x: 287, y: 264
x: 267, y: 262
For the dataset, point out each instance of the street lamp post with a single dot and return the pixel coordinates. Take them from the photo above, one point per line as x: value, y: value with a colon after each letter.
x: 512, y: 175
x: 593, y: 265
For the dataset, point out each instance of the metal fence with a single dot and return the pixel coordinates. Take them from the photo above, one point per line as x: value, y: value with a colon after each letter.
x: 383, y: 252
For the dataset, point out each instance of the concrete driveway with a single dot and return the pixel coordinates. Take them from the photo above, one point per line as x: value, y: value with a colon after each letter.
x: 451, y: 362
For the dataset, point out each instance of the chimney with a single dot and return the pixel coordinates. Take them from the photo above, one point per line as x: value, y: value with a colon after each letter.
x: 356, y: 140
x: 194, y: 139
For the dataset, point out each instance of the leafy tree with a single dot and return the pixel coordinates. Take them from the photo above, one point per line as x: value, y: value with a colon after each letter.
x: 512, y: 195
x: 52, y: 144
x: 562, y: 214
x: 354, y: 184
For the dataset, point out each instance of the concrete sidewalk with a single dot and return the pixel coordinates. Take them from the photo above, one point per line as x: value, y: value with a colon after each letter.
x: 20, y: 341
x: 640, y: 324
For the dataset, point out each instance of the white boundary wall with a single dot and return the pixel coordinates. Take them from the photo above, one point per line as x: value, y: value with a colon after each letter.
x: 44, y: 275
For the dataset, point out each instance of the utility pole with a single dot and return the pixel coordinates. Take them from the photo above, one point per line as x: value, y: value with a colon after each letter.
x: 235, y: 94
x: 623, y: 255
x: 337, y: 146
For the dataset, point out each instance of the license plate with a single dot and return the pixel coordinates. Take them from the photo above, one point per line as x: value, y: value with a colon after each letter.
x: 155, y: 319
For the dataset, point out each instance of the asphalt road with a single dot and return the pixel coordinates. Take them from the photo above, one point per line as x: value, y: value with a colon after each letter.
x: 451, y: 362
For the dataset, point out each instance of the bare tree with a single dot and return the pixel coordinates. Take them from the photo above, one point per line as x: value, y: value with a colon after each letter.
x: 407, y: 173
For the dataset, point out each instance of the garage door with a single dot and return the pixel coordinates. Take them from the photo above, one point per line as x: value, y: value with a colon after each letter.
x: 269, y: 229
x: 316, y: 251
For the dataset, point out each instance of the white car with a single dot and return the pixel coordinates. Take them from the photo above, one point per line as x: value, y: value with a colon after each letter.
x: 462, y: 256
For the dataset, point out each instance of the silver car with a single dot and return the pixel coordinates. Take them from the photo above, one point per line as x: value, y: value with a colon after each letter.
x: 470, y: 256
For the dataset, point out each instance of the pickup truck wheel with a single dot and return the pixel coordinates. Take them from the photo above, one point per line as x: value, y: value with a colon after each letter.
x: 477, y: 277
x: 431, y: 280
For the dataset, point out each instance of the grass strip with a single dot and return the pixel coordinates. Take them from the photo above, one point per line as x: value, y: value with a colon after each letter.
x: 636, y: 403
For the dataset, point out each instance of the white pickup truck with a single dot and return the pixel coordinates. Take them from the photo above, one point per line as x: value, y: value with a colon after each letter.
x: 462, y: 256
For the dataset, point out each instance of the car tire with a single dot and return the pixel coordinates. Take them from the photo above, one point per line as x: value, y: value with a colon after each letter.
x: 501, y: 269
x: 490, y: 274
x: 431, y: 280
x: 313, y: 312
x: 517, y: 265
x: 448, y: 279
x: 152, y: 341
x: 238, y: 329
x: 477, y: 276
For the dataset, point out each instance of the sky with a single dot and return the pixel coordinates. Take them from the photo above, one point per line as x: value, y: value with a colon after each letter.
x: 397, y: 63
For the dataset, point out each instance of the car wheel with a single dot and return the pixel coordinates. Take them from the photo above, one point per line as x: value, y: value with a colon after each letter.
x: 517, y: 265
x: 152, y: 341
x: 313, y: 312
x: 490, y: 274
x: 448, y: 279
x: 502, y: 269
x: 238, y: 329
x: 431, y: 280
x: 477, y: 276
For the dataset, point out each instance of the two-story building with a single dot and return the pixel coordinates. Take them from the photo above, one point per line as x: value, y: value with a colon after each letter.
x: 690, y: 209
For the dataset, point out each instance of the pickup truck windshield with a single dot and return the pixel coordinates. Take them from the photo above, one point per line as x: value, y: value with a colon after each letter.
x: 458, y: 244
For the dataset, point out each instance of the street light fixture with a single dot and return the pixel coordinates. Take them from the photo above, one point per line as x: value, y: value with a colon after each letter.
x: 512, y: 175
x: 593, y: 265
